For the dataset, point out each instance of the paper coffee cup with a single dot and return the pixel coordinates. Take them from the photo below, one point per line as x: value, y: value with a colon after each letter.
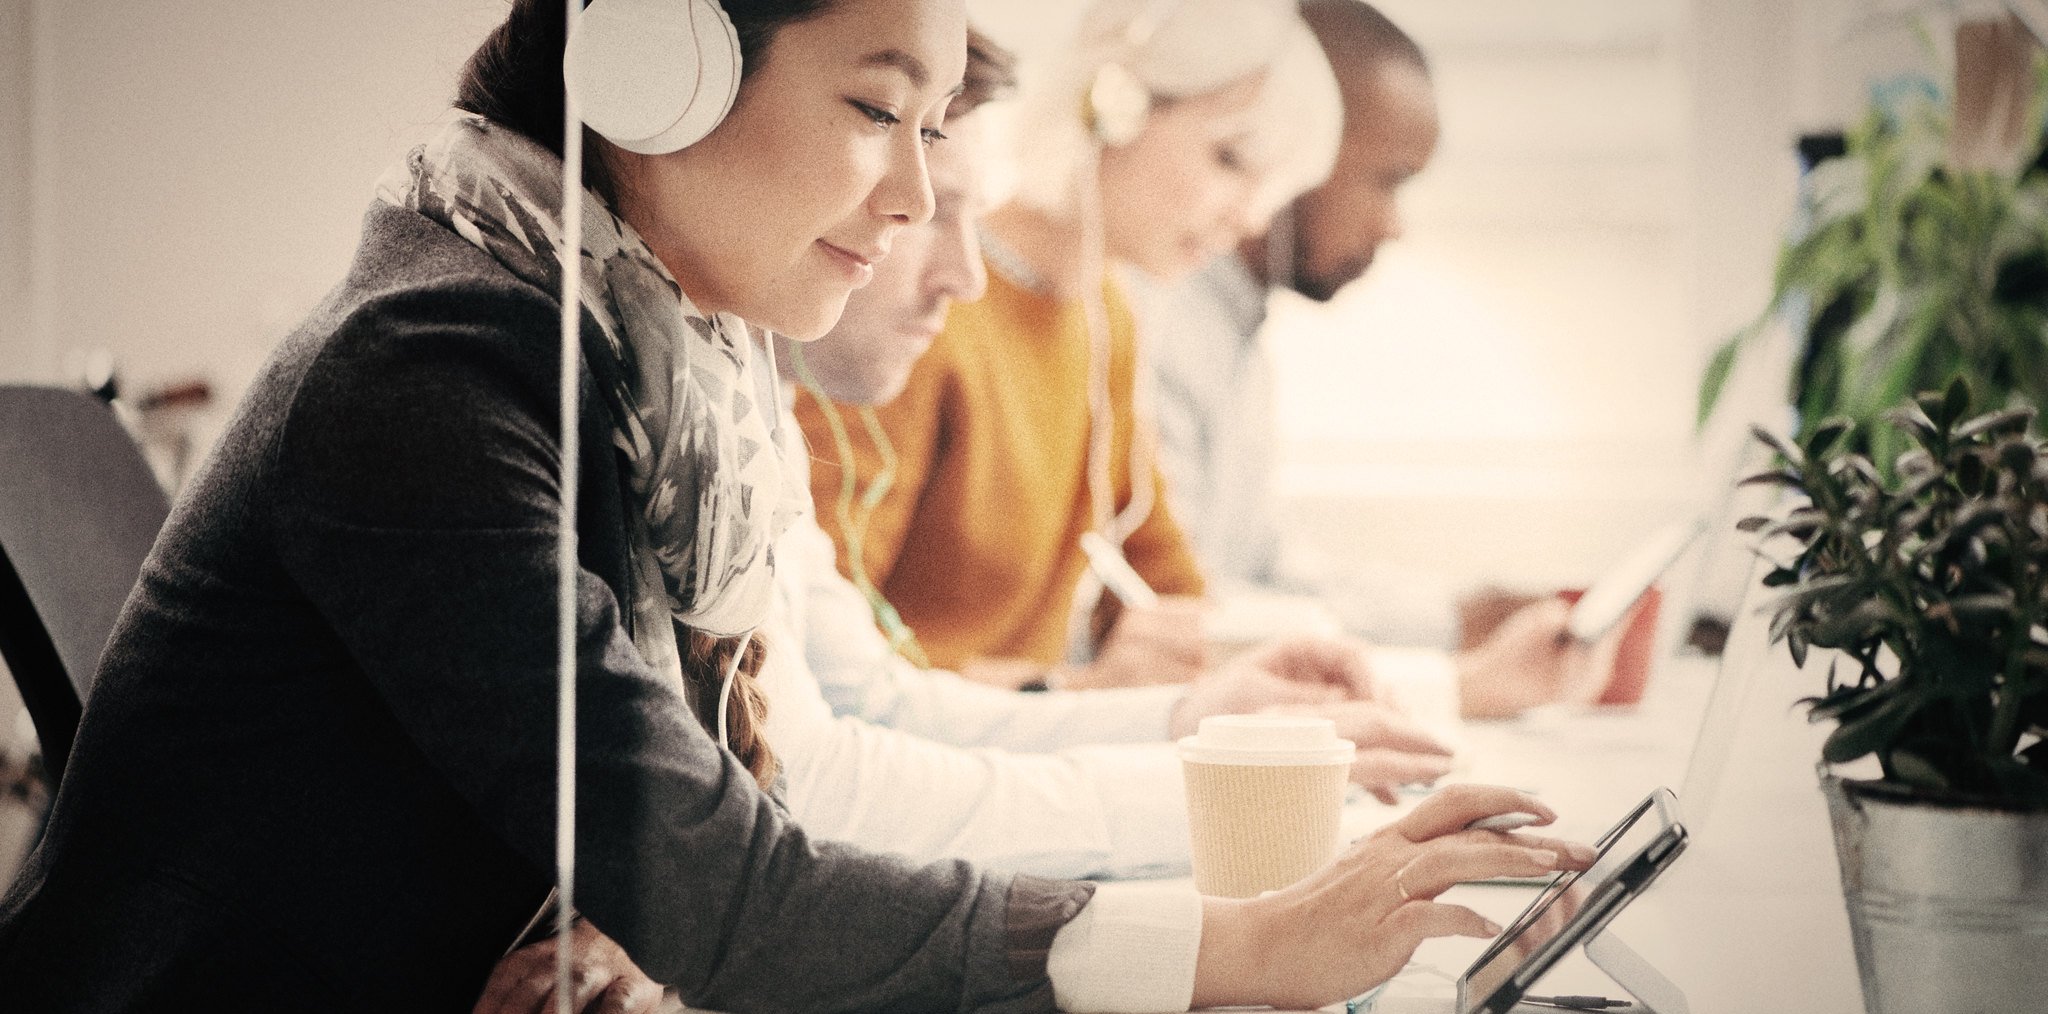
x: 1265, y: 794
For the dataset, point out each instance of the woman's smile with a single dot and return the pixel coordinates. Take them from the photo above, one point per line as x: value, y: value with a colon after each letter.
x: 859, y: 268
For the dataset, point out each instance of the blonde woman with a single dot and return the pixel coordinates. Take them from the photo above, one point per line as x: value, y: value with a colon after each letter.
x: 1164, y: 133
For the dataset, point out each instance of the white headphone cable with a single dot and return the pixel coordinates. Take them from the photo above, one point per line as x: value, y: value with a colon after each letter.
x: 732, y: 671
x: 568, y: 250
x: 1101, y: 408
x: 855, y: 509
x: 1115, y: 525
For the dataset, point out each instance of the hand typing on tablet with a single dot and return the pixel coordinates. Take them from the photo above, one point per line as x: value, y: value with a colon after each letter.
x: 1356, y: 922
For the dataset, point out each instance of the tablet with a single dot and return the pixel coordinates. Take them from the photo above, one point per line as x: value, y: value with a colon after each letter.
x: 1609, y: 599
x: 1575, y: 906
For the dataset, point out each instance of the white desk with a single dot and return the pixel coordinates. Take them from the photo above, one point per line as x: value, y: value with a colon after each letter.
x: 1749, y: 921
x: 1751, y: 918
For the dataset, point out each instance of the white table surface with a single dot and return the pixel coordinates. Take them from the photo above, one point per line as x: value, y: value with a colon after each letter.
x: 1750, y: 919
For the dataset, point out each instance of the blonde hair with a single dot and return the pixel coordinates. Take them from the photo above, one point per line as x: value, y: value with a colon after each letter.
x: 1301, y: 92
x: 1192, y: 48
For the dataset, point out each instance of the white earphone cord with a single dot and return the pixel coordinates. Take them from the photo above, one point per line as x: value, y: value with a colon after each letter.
x: 854, y: 523
x: 1113, y: 524
x: 732, y: 669
x: 568, y: 250
x: 732, y: 672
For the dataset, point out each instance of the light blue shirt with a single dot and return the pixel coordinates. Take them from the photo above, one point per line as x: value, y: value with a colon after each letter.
x: 1213, y: 400
x: 1213, y: 403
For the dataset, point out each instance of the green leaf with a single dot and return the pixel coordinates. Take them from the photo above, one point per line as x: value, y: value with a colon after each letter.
x: 1716, y: 377
x: 1788, y: 480
x: 1825, y: 435
x: 1918, y: 771
x: 1858, y: 467
x: 1778, y: 444
x: 1956, y: 401
x: 2018, y: 457
x: 1989, y: 609
x: 1870, y: 732
x: 1852, y: 701
x: 1975, y: 516
x: 1914, y: 420
x: 1867, y: 622
x: 2011, y: 420
x: 1801, y: 525
x: 1814, y: 589
x: 1932, y: 406
x: 2021, y: 781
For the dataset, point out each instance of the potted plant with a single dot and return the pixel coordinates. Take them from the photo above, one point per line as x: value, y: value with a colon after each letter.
x: 1927, y: 585
x: 1923, y: 254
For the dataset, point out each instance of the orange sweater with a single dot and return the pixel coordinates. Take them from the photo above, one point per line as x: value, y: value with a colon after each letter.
x: 977, y: 542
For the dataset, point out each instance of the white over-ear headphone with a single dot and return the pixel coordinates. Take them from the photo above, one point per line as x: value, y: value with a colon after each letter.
x: 652, y: 76
x: 1118, y: 103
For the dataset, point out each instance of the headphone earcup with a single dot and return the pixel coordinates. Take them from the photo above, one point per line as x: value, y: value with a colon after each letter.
x: 1118, y: 105
x: 652, y: 76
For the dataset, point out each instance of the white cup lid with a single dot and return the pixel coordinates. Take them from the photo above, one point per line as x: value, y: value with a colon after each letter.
x: 1266, y: 739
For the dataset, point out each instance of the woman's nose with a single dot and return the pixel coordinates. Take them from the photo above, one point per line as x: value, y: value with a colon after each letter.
x: 905, y: 190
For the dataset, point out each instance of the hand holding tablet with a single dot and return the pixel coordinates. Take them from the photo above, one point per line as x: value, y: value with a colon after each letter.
x: 1608, y: 601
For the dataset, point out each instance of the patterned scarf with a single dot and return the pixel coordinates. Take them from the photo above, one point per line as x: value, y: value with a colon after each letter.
x: 694, y: 416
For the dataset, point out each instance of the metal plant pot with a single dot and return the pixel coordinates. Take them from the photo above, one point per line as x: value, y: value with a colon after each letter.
x: 1948, y: 903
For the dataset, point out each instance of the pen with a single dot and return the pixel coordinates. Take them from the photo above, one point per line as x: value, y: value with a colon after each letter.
x: 1116, y: 574
x: 1573, y: 1002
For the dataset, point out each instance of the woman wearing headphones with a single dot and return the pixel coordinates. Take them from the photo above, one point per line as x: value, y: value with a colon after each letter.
x: 1165, y: 132
x: 318, y: 766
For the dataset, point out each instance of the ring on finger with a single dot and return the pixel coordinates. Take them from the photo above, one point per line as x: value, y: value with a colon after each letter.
x: 1400, y: 887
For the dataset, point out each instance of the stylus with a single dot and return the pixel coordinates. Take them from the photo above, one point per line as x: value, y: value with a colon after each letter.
x: 1116, y: 573
x: 1503, y: 822
x: 1573, y: 1002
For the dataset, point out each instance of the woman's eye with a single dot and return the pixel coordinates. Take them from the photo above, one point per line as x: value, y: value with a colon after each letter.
x: 931, y: 136
x: 882, y: 117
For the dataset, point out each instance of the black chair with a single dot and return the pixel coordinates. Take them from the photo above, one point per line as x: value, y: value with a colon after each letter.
x: 79, y: 510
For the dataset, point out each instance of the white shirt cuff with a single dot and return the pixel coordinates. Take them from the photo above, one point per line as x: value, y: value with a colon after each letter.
x: 1131, y: 951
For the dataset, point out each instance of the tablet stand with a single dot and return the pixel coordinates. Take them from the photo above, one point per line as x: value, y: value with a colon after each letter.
x: 1652, y: 992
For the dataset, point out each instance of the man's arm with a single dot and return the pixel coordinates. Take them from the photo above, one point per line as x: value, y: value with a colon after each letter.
x: 859, y: 677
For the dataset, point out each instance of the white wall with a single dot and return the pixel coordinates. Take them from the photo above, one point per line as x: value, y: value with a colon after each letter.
x: 1518, y: 372
x: 208, y: 162
x: 14, y: 187
x: 1509, y: 394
